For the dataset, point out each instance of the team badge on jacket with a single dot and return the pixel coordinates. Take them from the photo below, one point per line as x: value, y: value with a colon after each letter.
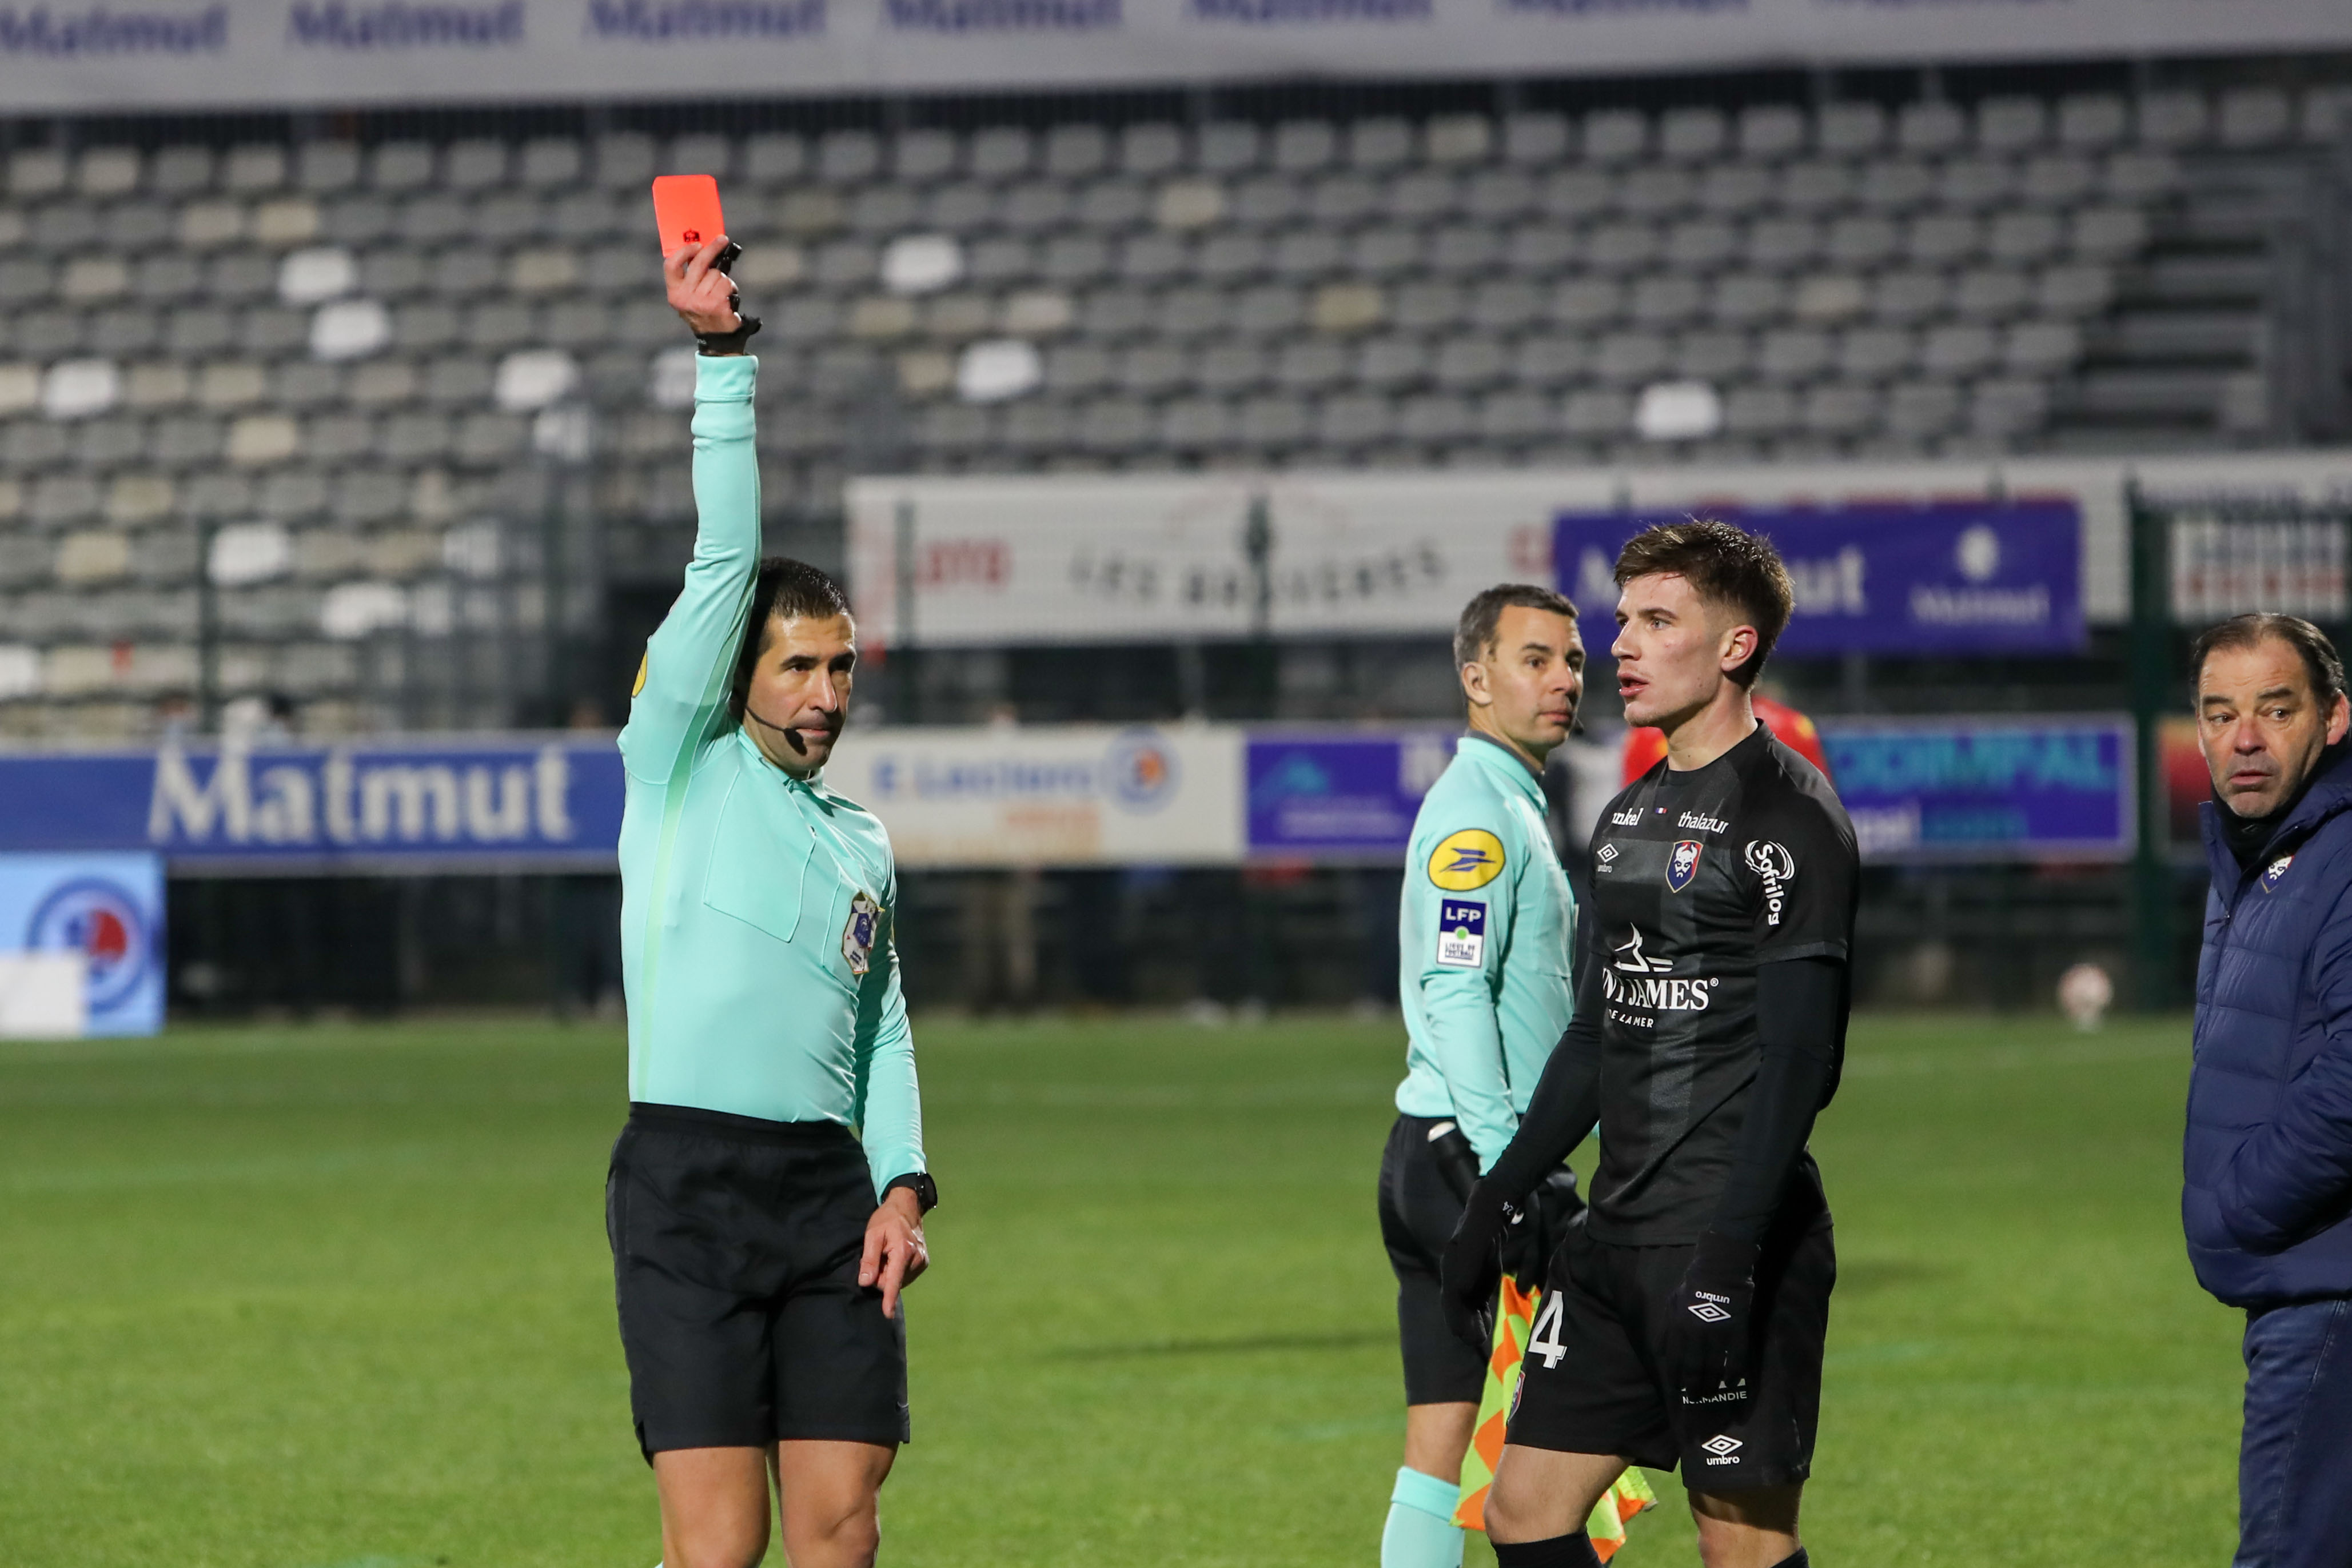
x: 1683, y: 864
x: 857, y: 937
x: 2276, y: 869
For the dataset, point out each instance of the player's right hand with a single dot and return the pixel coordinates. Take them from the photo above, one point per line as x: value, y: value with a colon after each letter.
x: 699, y: 291
x: 1471, y: 1271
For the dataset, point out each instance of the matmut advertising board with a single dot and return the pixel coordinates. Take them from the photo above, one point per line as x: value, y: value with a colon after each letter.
x: 1077, y: 795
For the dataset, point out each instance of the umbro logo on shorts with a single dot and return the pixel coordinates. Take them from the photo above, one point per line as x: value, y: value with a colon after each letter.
x: 1708, y: 1313
x: 1723, y: 1448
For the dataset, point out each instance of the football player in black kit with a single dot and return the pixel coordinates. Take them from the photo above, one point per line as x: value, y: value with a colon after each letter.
x: 1682, y: 1323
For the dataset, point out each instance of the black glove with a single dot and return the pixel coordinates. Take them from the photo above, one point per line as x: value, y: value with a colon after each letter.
x: 1713, y: 1313
x: 1527, y: 1243
x: 1470, y: 1274
x: 1552, y: 1208
x: 1457, y: 1161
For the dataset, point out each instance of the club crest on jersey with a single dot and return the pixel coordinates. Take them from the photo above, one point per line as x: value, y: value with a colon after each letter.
x: 857, y: 936
x: 2274, y: 872
x: 1467, y: 860
x: 1461, y: 935
x: 1683, y: 864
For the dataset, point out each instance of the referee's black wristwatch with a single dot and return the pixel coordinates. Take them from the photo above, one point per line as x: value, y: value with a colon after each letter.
x: 919, y: 1183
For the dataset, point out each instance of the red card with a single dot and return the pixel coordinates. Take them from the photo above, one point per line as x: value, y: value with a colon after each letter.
x: 686, y: 211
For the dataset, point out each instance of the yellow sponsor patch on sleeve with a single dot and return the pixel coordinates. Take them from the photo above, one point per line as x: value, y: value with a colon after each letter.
x: 1471, y: 858
x: 643, y: 660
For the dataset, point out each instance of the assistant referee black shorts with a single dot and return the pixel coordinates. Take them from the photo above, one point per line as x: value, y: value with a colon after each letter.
x: 735, y: 1243
x: 1592, y: 1384
x: 1418, y: 1214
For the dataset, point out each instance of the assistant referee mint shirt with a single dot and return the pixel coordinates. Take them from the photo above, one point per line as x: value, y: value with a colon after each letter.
x: 1483, y: 936
x: 756, y: 908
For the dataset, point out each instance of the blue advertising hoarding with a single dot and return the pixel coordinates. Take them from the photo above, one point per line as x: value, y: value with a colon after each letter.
x: 1987, y: 789
x: 109, y: 907
x: 545, y: 802
x: 1337, y: 795
x: 1943, y: 577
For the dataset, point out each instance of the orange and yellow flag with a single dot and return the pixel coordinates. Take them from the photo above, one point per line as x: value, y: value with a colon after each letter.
x: 1513, y: 1322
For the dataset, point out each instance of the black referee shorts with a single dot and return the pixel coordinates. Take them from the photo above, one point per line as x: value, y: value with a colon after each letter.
x: 1418, y: 1214
x: 1592, y: 1381
x: 735, y: 1250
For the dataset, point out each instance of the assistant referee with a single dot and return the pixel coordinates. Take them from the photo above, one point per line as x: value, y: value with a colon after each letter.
x: 766, y: 1198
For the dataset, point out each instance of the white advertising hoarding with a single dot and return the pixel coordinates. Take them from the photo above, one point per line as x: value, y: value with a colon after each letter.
x: 995, y: 795
x: 1145, y: 558
x: 118, y: 55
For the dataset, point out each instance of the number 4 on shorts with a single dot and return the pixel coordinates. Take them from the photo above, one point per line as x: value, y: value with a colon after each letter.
x: 1547, y: 1324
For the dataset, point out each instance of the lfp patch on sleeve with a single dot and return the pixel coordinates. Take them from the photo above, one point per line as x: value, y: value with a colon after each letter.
x: 1461, y: 935
x: 1469, y: 859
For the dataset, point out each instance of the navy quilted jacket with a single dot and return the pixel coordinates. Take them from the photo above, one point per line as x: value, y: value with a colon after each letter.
x: 2267, y: 1162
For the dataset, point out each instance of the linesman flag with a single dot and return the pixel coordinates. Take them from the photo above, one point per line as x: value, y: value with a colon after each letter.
x: 1513, y: 1322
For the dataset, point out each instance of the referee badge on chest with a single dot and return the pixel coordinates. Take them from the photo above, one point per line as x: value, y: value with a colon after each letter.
x: 857, y: 936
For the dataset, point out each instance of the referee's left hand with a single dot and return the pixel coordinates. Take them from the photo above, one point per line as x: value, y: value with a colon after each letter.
x: 895, y: 1253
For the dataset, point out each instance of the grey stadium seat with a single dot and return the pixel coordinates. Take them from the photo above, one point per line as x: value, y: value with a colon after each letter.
x: 1792, y: 353
x: 1897, y: 185
x: 1354, y: 419
x: 2012, y: 124
x: 1713, y: 354
x: 2093, y: 123
x: 1930, y: 126
x: 1850, y: 129
x: 1957, y: 352
x: 1312, y: 366
x: 1536, y: 140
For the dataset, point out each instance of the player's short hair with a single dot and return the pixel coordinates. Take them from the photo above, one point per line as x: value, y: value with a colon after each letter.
x: 1473, y: 634
x: 785, y: 590
x: 1726, y: 566
x: 2320, y: 660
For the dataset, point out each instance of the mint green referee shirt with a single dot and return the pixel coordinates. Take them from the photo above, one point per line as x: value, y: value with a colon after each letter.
x: 756, y: 908
x: 1484, y: 937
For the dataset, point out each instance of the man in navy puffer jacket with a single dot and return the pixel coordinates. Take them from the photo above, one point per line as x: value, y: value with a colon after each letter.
x: 2267, y: 1198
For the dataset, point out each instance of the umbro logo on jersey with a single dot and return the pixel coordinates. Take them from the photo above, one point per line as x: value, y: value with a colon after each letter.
x: 1625, y: 818
x: 1605, y: 854
x: 1702, y: 822
x: 1723, y: 1448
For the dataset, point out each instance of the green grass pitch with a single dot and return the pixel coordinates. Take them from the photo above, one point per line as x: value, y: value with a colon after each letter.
x: 337, y: 1297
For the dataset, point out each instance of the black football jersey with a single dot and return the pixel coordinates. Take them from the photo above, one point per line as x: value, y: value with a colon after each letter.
x: 1699, y: 878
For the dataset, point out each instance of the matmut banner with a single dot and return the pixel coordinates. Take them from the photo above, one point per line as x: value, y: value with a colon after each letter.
x: 542, y: 802
x: 119, y: 55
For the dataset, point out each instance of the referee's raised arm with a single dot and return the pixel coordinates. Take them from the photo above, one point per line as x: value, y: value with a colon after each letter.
x: 681, y: 694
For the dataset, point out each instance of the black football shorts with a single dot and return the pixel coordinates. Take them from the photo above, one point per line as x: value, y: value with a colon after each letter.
x: 1418, y: 1214
x: 735, y: 1250
x: 1592, y: 1381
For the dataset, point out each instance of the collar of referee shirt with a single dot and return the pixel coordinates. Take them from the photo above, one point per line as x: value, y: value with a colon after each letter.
x: 1499, y: 755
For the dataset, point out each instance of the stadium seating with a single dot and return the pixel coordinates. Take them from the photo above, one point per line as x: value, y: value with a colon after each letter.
x: 361, y: 370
